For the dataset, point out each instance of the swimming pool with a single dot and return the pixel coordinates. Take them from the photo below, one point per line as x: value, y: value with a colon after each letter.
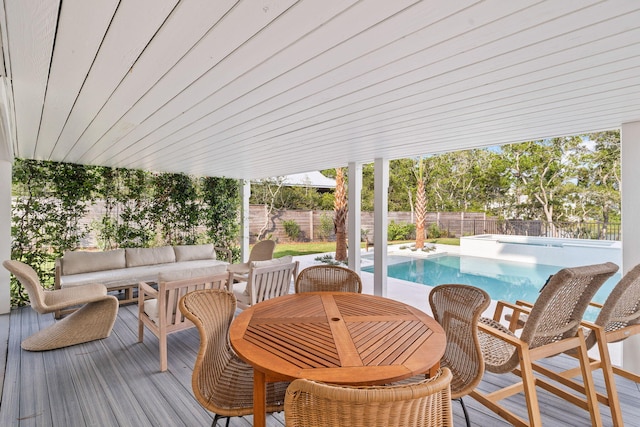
x: 502, y: 280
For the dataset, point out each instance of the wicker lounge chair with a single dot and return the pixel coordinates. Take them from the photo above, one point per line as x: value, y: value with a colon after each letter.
x: 331, y: 278
x: 619, y: 318
x: 552, y: 327
x: 222, y: 383
x: 158, y: 309
x: 314, y: 404
x: 91, y: 322
x: 261, y: 251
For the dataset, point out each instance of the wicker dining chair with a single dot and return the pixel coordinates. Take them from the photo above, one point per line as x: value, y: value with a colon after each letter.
x: 222, y: 383
x: 93, y: 321
x: 552, y: 327
x: 458, y: 308
x: 314, y: 404
x: 261, y: 251
x: 618, y: 319
x: 328, y: 278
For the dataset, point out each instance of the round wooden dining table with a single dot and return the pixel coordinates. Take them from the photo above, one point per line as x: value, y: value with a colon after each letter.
x: 339, y: 338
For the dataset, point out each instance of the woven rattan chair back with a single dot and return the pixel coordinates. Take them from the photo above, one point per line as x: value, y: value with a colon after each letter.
x: 221, y: 382
x: 31, y: 283
x: 557, y: 312
x: 622, y: 308
x: 262, y: 251
x: 314, y: 404
x: 328, y: 278
x: 457, y: 308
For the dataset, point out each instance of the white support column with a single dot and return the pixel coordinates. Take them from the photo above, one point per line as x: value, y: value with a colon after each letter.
x: 5, y: 233
x: 629, y: 155
x: 245, y: 193
x: 380, y: 215
x: 354, y: 215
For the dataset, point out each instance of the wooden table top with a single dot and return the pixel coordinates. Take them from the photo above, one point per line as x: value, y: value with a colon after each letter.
x: 342, y: 338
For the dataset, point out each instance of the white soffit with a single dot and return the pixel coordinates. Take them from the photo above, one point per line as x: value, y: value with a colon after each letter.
x: 253, y: 89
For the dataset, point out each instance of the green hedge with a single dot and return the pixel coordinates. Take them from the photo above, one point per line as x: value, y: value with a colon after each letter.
x: 142, y: 209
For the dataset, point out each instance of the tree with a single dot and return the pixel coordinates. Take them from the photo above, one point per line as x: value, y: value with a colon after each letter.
x: 268, y: 195
x: 599, y: 179
x: 340, y: 217
x: 543, y: 175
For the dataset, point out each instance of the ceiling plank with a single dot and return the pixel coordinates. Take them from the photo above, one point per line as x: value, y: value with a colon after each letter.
x: 133, y: 25
x: 31, y: 28
x: 81, y: 29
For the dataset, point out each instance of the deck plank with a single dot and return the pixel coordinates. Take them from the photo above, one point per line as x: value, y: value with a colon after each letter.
x: 117, y: 382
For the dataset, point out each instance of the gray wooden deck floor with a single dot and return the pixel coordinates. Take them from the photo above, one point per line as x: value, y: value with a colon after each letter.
x: 116, y: 382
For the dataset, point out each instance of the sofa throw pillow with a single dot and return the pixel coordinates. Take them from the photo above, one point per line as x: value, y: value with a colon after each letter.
x: 76, y: 262
x: 268, y: 263
x: 149, y: 256
x: 194, y: 252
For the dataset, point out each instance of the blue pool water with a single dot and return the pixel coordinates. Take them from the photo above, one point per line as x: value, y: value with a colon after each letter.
x: 502, y: 280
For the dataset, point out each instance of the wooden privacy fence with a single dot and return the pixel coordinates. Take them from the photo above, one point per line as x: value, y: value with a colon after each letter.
x: 313, y: 225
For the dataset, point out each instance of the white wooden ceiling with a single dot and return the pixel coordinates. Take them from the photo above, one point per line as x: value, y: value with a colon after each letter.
x: 259, y: 88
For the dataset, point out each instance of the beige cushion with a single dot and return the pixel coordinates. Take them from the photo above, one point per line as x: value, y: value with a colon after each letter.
x: 241, y: 268
x: 242, y: 297
x: 151, y: 309
x: 133, y: 275
x: 193, y: 252
x: 149, y: 256
x: 172, y: 276
x: 83, y: 261
x: 268, y: 263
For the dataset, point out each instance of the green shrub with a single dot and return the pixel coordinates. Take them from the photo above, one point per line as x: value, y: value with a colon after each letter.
x: 434, y: 231
x: 291, y: 228
x: 326, y: 227
x: 400, y: 231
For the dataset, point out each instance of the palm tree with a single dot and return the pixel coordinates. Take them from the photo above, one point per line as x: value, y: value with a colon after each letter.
x: 340, y: 216
x: 421, y: 205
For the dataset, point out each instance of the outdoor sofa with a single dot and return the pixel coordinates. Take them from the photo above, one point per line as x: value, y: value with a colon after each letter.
x: 122, y: 269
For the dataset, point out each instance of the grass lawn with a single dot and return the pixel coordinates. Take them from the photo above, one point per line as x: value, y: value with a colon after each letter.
x: 309, y: 248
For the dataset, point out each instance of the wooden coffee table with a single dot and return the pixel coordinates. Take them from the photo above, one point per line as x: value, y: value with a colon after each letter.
x: 339, y: 338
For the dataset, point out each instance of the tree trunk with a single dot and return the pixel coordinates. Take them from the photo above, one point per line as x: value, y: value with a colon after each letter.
x: 340, y: 217
x: 421, y: 213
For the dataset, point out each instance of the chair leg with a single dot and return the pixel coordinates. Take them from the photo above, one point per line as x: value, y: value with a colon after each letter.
x: 529, y: 384
x: 163, y: 350
x: 589, y: 385
x: 607, y: 372
x: 464, y: 410
x: 93, y: 321
x: 217, y: 417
